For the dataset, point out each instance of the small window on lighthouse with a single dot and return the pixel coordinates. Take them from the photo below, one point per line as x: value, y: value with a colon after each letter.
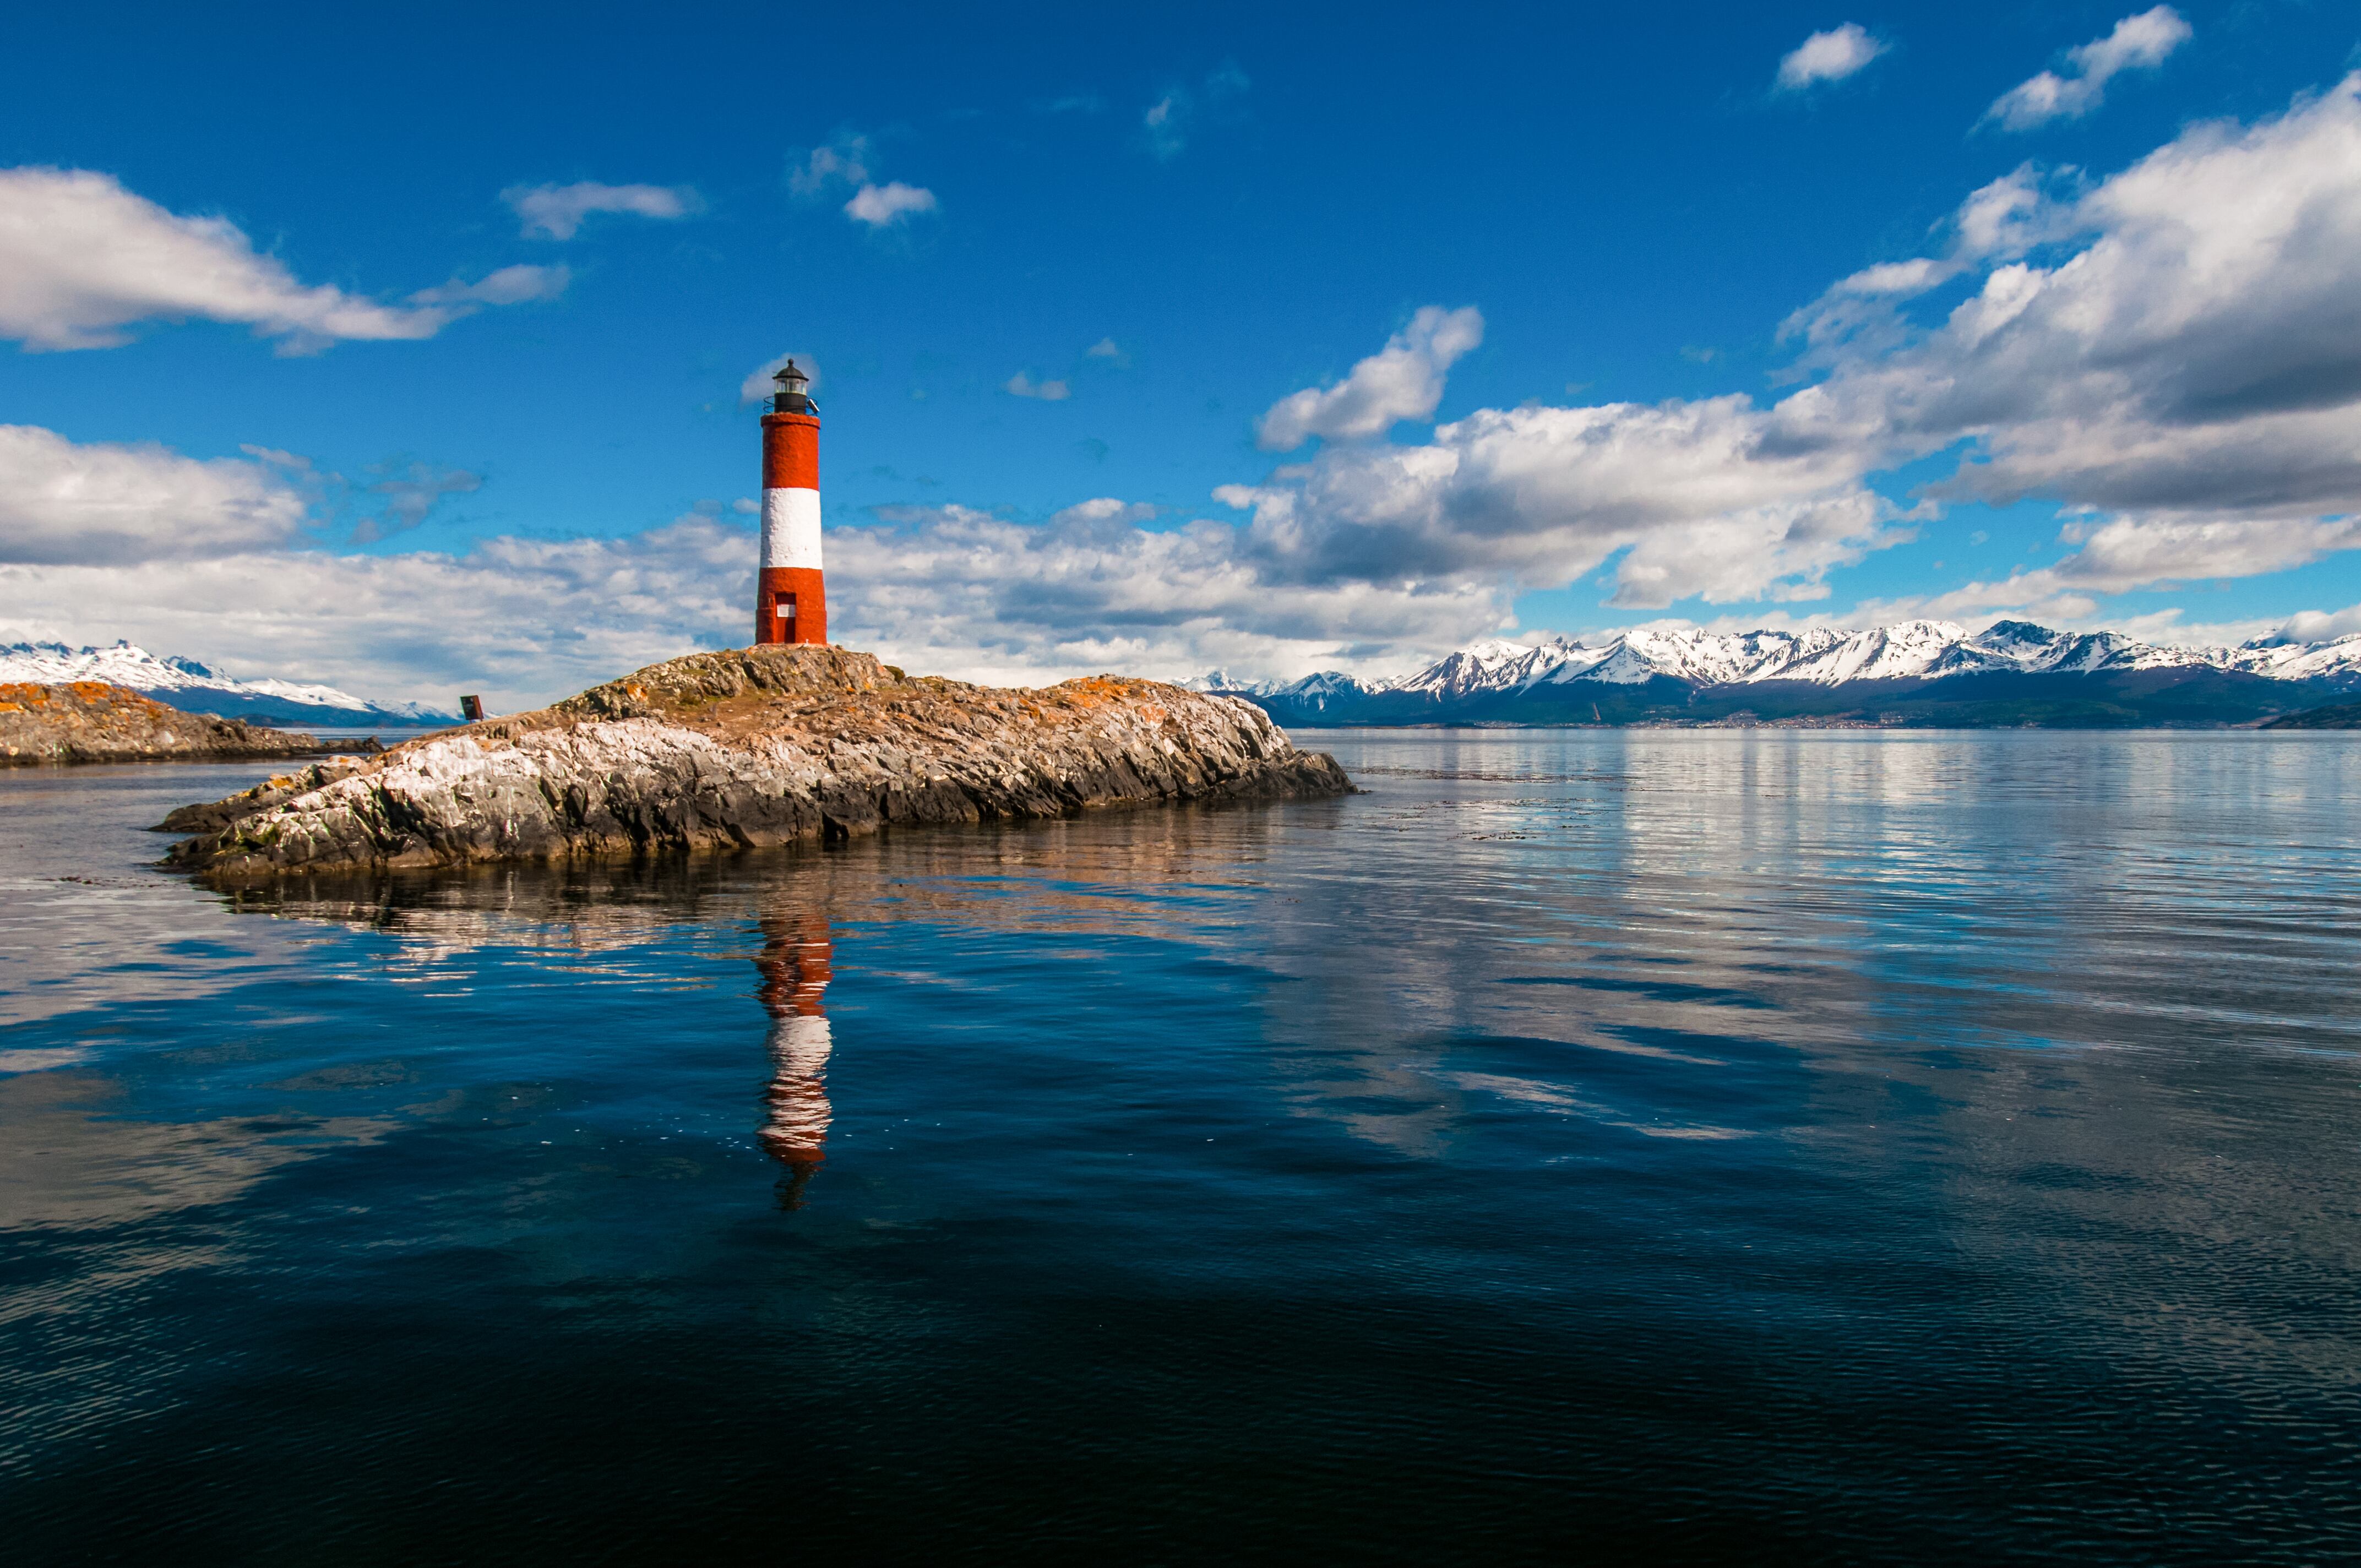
x: 788, y: 608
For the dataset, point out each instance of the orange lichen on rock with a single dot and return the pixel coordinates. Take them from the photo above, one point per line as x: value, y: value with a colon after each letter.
x: 92, y: 721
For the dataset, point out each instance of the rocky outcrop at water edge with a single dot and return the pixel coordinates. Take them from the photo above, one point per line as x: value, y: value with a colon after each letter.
x: 92, y: 721
x: 750, y: 747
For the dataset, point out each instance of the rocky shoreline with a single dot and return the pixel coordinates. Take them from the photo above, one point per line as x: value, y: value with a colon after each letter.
x: 92, y: 721
x: 751, y: 747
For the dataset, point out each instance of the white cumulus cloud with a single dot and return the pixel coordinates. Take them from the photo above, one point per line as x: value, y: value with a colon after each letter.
x: 952, y: 589
x: 523, y: 620
x: 1830, y: 56
x: 2122, y: 553
x: 882, y: 205
x: 2142, y: 40
x: 103, y: 503
x: 1403, y: 380
x: 83, y: 261
x: 508, y: 286
x: 1023, y: 385
x: 1716, y: 498
x: 556, y: 212
x: 405, y: 494
x: 2319, y: 626
x: 844, y: 162
x: 2193, y: 347
x: 849, y: 160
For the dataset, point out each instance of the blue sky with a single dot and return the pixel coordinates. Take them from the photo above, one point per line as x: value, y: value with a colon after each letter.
x: 509, y: 459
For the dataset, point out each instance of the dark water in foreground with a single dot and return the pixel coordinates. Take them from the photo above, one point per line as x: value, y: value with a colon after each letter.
x: 1681, y: 1145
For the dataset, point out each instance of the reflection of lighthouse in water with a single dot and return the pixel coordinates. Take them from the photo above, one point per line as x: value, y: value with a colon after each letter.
x: 794, y: 975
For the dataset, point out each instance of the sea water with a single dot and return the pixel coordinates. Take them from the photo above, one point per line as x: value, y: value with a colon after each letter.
x: 1753, y: 1146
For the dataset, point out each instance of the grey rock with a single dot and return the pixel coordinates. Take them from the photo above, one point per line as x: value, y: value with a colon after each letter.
x: 213, y: 815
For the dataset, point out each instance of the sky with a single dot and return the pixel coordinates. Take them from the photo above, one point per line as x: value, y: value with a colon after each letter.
x: 416, y: 353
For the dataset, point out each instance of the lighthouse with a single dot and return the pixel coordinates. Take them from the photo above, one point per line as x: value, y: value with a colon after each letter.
x: 790, y: 599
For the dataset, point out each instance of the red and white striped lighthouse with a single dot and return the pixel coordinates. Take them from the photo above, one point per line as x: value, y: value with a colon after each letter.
x: 790, y: 595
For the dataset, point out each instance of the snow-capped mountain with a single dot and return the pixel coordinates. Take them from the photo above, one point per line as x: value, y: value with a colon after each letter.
x: 2336, y: 660
x: 193, y: 688
x: 1313, y: 690
x: 1222, y: 681
x: 1319, y: 692
x: 1492, y: 665
x: 1911, y: 650
x: 1492, y: 674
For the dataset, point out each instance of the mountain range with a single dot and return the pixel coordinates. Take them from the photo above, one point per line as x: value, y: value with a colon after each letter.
x: 1915, y: 673
x: 193, y: 688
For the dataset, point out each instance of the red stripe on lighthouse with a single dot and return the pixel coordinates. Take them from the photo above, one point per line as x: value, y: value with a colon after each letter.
x: 790, y: 452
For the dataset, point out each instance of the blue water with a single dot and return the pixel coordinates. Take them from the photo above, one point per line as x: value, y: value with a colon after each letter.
x: 1683, y: 1146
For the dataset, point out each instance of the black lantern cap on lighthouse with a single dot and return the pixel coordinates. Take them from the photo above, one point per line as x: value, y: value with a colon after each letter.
x: 791, y: 398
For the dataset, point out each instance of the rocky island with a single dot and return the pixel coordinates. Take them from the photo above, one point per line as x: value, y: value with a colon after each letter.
x: 748, y: 747
x: 93, y: 721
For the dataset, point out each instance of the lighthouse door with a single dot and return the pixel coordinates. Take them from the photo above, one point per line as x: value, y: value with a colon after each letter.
x: 786, y: 618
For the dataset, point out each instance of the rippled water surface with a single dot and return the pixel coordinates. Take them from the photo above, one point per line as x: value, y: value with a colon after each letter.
x: 1807, y: 1146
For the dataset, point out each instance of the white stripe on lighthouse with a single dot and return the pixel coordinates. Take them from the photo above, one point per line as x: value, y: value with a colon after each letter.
x: 791, y: 529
